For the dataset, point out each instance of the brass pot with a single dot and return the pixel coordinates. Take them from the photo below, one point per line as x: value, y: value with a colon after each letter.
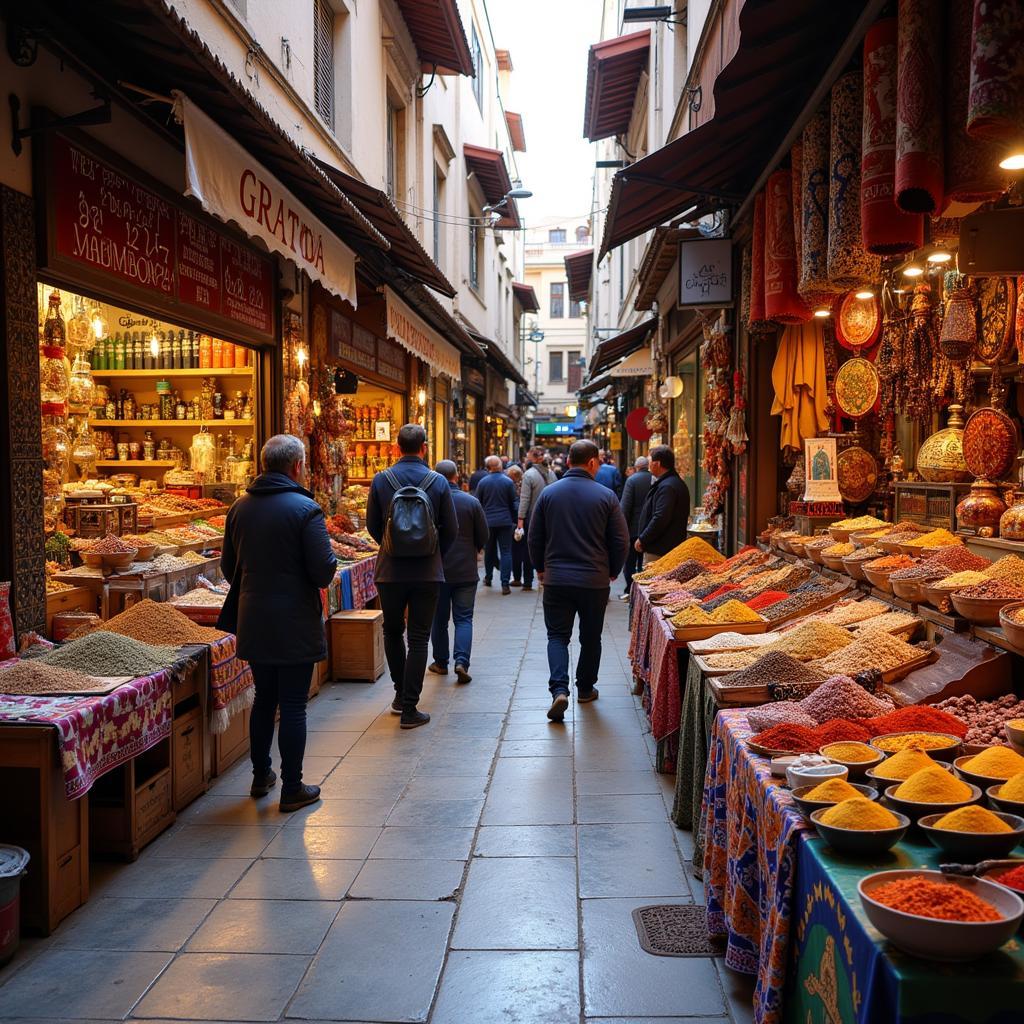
x: 941, y: 458
x: 982, y: 509
x: 1011, y: 523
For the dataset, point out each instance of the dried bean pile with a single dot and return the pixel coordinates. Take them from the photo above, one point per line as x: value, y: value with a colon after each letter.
x: 890, y: 622
x: 1009, y: 567
x: 727, y: 641
x: 960, y: 580
x: 733, y: 659
x: 29, y: 678
x: 110, y: 545
x: 984, y: 718
x: 171, y: 563
x: 812, y: 639
x: 103, y: 653
x: 780, y: 713
x: 201, y: 596
x: 773, y: 667
x: 839, y: 550
x: 156, y: 623
x: 846, y: 614
x: 994, y: 590
x: 864, y: 554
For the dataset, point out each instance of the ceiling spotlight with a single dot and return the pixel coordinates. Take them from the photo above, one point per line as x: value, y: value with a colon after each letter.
x: 913, y: 270
x: 864, y: 293
x: 823, y: 312
x: 940, y: 256
x: 1013, y: 162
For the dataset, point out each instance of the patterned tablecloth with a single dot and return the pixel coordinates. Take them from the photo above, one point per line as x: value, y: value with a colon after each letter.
x: 695, y: 726
x: 231, y: 684
x: 96, y: 734
x: 750, y: 832
x: 353, y: 587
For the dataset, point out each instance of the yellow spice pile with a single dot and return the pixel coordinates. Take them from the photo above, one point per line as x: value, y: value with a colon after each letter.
x: 810, y: 640
x: 873, y: 649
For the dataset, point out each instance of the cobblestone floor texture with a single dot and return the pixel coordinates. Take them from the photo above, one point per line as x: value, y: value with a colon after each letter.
x: 479, y: 870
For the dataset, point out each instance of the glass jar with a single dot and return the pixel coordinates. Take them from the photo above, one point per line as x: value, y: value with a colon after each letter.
x: 84, y: 451
x: 54, y: 380
x: 56, y: 444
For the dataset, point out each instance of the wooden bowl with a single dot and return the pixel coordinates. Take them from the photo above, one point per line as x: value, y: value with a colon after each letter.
x: 854, y: 568
x: 120, y: 560
x: 984, y: 781
x: 815, y: 555
x: 796, y: 547
x: 936, y: 596
x: 864, y: 538
x: 839, y: 535
x: 833, y: 563
x: 915, y: 811
x: 981, y: 611
x: 971, y: 847
x: 860, y: 841
x: 909, y: 590
x: 931, y: 552
x: 879, y: 578
x: 1013, y: 631
x: 935, y: 753
x: 888, y: 546
x: 145, y: 552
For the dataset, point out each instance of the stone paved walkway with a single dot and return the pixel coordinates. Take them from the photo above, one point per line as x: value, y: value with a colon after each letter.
x: 481, y: 869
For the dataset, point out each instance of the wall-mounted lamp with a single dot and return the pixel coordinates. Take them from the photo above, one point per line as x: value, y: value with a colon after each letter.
x: 823, y: 312
x: 302, y: 358
x: 914, y: 270
x: 421, y: 397
x: 864, y: 294
x: 939, y: 256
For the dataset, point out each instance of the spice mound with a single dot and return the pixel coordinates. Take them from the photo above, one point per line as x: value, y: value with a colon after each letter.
x: 798, y: 739
x: 890, y: 562
x: 971, y: 819
x: 944, y: 901
x: 1009, y: 567
x: 812, y: 639
x: 839, y: 550
x: 860, y: 814
x: 847, y: 613
x: 778, y: 713
x: 32, y: 677
x: 912, y: 741
x: 853, y: 752
x: 994, y: 590
x: 901, y: 766
x: 890, y: 622
x: 959, y: 580
x: 695, y: 548
x: 734, y: 611
x: 917, y: 718
x: 874, y: 649
x: 933, y: 786
x: 864, y: 554
x: 103, y: 653
x: 841, y: 697
x: 110, y: 545
x: 1013, y: 879
x: 1013, y: 789
x: 200, y: 596
x: 832, y: 790
x: 935, y: 539
x: 156, y: 623
x: 860, y: 523
x: 773, y: 667
x: 996, y: 763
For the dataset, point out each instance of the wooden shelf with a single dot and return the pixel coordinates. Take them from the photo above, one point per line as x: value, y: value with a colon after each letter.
x: 137, y: 463
x: 241, y: 371
x: 164, y: 424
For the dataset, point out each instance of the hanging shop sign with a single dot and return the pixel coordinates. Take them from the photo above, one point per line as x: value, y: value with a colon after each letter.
x: 473, y: 379
x: 234, y: 187
x: 639, y: 364
x: 547, y: 428
x: 106, y: 227
x: 705, y: 272
x: 414, y: 335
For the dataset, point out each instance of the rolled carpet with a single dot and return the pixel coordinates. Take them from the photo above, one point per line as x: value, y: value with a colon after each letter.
x: 995, y: 103
x: 973, y: 174
x: 757, y: 264
x: 849, y: 264
x: 782, y: 303
x: 919, y: 152
x: 814, y: 146
x: 796, y: 159
x: 886, y: 229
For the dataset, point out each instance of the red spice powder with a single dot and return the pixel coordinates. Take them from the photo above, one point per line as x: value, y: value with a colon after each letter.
x: 766, y: 598
x: 796, y: 738
x: 1014, y: 878
x: 725, y: 588
x: 941, y: 900
x: 915, y: 718
x: 839, y: 730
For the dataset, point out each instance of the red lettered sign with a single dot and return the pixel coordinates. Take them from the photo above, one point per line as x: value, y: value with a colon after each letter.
x: 199, y: 266
x: 248, y: 285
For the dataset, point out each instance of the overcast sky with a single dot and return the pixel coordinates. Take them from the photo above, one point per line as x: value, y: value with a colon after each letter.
x: 548, y: 41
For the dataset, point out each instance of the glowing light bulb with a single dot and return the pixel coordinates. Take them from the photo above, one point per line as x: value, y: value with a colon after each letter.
x: 940, y: 256
x: 1014, y: 162
x: 913, y: 271
x: 302, y: 358
x: 823, y: 312
x: 154, y: 346
x: 865, y: 293
x: 421, y: 397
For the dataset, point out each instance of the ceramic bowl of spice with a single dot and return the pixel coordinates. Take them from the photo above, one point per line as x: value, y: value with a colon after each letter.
x: 810, y: 769
x: 908, y: 589
x: 1011, y: 619
x: 1009, y: 875
x: 859, y: 826
x: 990, y: 767
x: 940, y: 917
x: 981, y: 604
x: 972, y: 834
x: 901, y: 766
x: 931, y: 791
x: 856, y: 757
x: 938, y: 745
x: 828, y: 793
x: 879, y: 570
x: 1008, y: 796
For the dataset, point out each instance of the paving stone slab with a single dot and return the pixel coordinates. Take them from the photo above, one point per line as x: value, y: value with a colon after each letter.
x: 324, y: 842
x: 526, y: 841
x: 126, y: 923
x: 408, y: 842
x: 297, y: 879
x: 264, y: 926
x: 612, y: 867
x: 408, y: 880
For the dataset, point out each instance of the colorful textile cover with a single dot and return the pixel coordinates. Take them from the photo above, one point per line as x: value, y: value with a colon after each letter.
x: 886, y: 229
x: 814, y: 188
x: 801, y: 391
x: 231, y: 684
x: 995, y: 104
x: 757, y: 308
x: 750, y: 832
x: 654, y: 652
x: 849, y: 265
x: 796, y: 181
x: 919, y: 170
x: 96, y: 734
x: 781, y: 301
x: 972, y: 164
x: 359, y: 579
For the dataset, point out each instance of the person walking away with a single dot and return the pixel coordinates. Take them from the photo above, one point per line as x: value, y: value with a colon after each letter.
x: 609, y: 475
x: 578, y: 542
x: 634, y: 493
x: 497, y: 494
x: 535, y: 479
x: 519, y: 555
x: 458, y: 592
x: 666, y: 509
x: 277, y: 555
x: 475, y: 479
x: 558, y: 468
x: 411, y: 515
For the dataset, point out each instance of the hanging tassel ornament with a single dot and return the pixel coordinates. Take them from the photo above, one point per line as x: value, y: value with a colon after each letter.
x: 736, y: 433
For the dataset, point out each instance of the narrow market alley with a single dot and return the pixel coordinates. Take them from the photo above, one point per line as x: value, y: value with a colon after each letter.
x: 482, y: 869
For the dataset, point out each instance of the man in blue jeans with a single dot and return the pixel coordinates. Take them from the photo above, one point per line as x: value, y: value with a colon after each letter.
x: 497, y: 494
x: 578, y: 542
x: 458, y: 592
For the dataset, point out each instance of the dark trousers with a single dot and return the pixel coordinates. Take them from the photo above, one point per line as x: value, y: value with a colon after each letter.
x: 498, y: 554
x: 561, y: 606
x: 634, y: 560
x: 522, y: 567
x: 456, y: 602
x: 407, y: 607
x: 287, y: 687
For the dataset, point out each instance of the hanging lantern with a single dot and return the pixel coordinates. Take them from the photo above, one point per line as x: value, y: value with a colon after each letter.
x: 959, y: 327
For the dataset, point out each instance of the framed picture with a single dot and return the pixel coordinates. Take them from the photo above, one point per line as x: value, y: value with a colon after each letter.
x: 382, y: 430
x: 822, y: 481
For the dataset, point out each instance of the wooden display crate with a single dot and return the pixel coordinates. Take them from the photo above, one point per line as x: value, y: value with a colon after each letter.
x: 232, y: 745
x: 188, y: 777
x: 76, y: 599
x: 321, y: 671
x: 357, y: 645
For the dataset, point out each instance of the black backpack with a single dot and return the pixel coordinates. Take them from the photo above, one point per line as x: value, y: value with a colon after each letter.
x: 410, y: 530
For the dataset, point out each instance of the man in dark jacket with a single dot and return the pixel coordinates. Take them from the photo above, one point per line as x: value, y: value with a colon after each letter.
x: 409, y: 587
x: 578, y: 542
x: 666, y: 510
x: 608, y: 474
x: 458, y: 592
x: 277, y: 555
x: 633, y: 496
x: 475, y: 479
x: 497, y: 494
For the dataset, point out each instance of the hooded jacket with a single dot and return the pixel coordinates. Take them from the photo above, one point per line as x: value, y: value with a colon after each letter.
x: 277, y: 555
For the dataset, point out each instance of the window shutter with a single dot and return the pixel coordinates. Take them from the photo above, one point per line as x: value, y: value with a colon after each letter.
x: 323, y: 61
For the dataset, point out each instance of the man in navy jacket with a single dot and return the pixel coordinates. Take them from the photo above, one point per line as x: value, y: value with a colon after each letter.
x: 608, y: 474
x: 409, y: 587
x: 497, y: 494
x: 277, y: 555
x: 458, y: 592
x: 666, y: 509
x: 578, y: 542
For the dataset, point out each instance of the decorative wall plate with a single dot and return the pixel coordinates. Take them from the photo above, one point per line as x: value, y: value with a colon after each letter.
x: 990, y: 444
x: 856, y: 387
x: 858, y: 474
x: 997, y: 312
x: 858, y: 322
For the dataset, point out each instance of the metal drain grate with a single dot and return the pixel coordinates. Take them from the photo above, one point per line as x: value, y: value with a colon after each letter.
x: 668, y: 929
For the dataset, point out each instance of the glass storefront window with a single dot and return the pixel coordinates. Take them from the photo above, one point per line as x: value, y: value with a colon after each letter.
x: 686, y: 422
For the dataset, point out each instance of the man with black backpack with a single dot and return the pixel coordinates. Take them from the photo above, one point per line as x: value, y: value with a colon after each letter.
x: 412, y: 516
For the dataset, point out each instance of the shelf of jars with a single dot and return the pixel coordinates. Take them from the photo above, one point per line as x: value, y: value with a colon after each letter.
x: 171, y: 424
x: 211, y: 371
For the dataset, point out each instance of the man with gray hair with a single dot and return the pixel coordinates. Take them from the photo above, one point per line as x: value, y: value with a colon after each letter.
x: 535, y: 479
x: 497, y: 494
x: 277, y: 555
x: 634, y: 494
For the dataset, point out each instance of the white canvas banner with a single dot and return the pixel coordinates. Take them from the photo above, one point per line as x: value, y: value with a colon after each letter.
x: 639, y: 364
x: 414, y: 335
x: 234, y: 187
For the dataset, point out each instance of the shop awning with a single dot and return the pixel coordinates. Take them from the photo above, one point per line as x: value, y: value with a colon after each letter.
x: 612, y: 351
x: 784, y: 50
x: 614, y: 68
x: 515, y: 131
x: 440, y: 38
x: 489, y: 167
x: 376, y: 206
x: 659, y: 258
x: 525, y: 397
x: 500, y: 361
x: 596, y: 385
x: 577, y: 269
x: 526, y: 297
x: 415, y: 335
x: 638, y: 364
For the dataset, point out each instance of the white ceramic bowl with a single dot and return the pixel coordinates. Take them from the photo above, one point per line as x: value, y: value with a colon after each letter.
x: 811, y: 776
